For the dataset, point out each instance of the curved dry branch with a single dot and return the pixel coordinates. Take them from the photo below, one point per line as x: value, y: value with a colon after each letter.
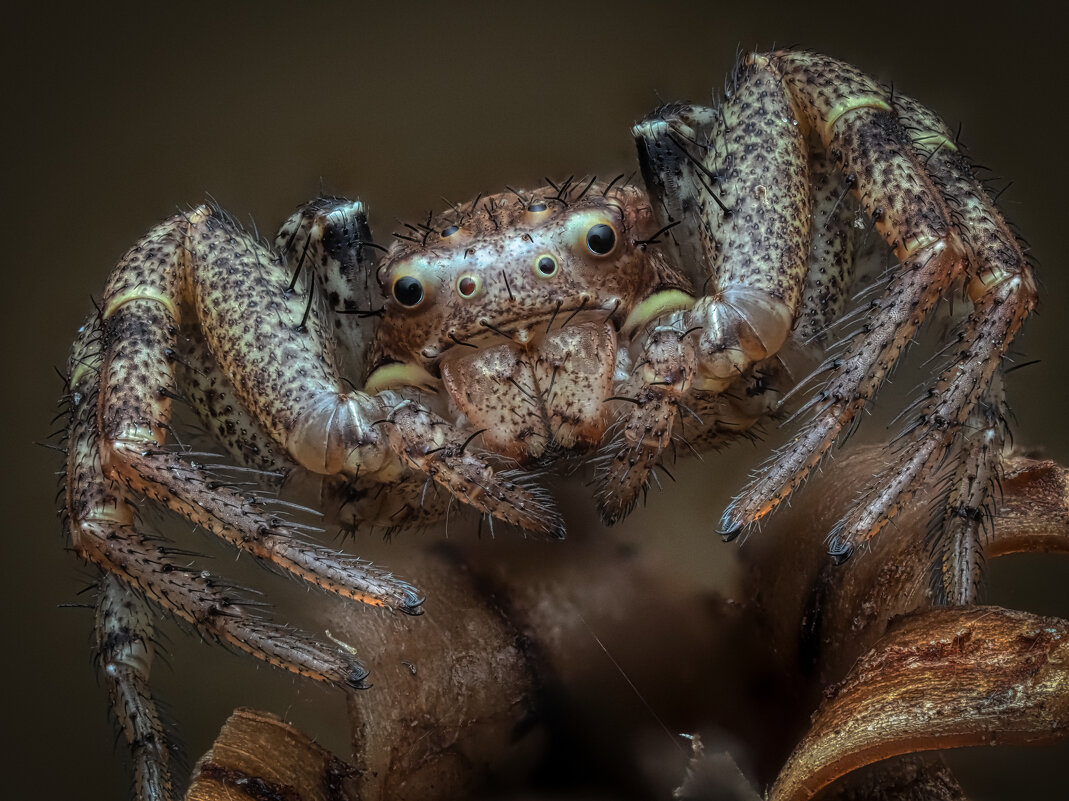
x: 941, y: 679
x: 257, y: 756
x: 460, y: 695
x: 1033, y: 513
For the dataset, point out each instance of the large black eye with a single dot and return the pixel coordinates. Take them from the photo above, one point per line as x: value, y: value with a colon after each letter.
x: 601, y: 239
x: 408, y: 291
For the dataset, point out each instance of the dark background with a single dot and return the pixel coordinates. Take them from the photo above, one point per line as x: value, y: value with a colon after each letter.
x: 116, y: 118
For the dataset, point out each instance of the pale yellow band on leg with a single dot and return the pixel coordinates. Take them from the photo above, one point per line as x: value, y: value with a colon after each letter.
x: 936, y: 141
x: 654, y: 306
x: 400, y: 375
x: 839, y: 110
x: 139, y: 293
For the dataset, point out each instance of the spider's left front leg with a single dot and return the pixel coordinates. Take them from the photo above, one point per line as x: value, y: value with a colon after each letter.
x: 911, y: 179
x: 745, y: 246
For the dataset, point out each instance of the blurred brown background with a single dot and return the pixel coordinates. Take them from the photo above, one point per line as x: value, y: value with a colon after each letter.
x: 116, y: 118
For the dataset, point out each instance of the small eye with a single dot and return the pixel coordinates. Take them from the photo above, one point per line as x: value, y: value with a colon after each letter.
x: 447, y: 232
x: 467, y: 286
x: 408, y: 291
x: 601, y: 239
x: 546, y: 266
x: 539, y: 206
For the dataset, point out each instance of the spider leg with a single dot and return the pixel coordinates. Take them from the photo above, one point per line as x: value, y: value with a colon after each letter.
x: 125, y: 648
x: 683, y: 423
x: 429, y: 444
x: 652, y: 393
x: 734, y: 181
x: 834, y: 261
x: 102, y: 522
x: 942, y: 228
x: 936, y: 431
x: 960, y: 519
x: 133, y: 421
x: 330, y: 237
x: 234, y: 517
x: 1003, y: 294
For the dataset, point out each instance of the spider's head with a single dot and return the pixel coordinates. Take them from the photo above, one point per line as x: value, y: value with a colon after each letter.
x: 512, y: 266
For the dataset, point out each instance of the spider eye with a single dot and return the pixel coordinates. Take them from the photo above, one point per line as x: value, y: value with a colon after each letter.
x: 408, y: 291
x: 448, y: 232
x: 601, y: 239
x: 546, y: 266
x: 537, y: 206
x: 467, y: 286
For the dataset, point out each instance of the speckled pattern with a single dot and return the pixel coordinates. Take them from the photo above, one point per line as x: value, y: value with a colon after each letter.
x: 922, y: 197
x: 497, y: 242
x: 127, y: 347
x: 832, y: 245
x: 759, y: 157
x: 585, y: 316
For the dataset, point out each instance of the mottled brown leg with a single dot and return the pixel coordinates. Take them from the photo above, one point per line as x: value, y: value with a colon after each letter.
x: 853, y: 119
x: 933, y: 434
x: 830, y: 275
x: 964, y: 516
x: 734, y: 181
x: 661, y: 410
x: 135, y: 411
x: 647, y: 404
x: 104, y: 530
x: 125, y: 648
x: 1003, y: 293
x: 429, y: 444
x: 330, y: 237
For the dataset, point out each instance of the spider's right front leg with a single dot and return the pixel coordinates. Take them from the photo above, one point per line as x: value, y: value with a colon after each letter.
x: 121, y: 383
x: 273, y: 350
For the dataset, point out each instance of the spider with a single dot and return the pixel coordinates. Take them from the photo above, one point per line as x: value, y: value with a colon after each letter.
x: 622, y: 321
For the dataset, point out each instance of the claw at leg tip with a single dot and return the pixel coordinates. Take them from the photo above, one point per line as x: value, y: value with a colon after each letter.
x: 839, y: 549
x: 730, y: 535
x: 356, y: 678
x: 839, y: 557
x: 729, y: 528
